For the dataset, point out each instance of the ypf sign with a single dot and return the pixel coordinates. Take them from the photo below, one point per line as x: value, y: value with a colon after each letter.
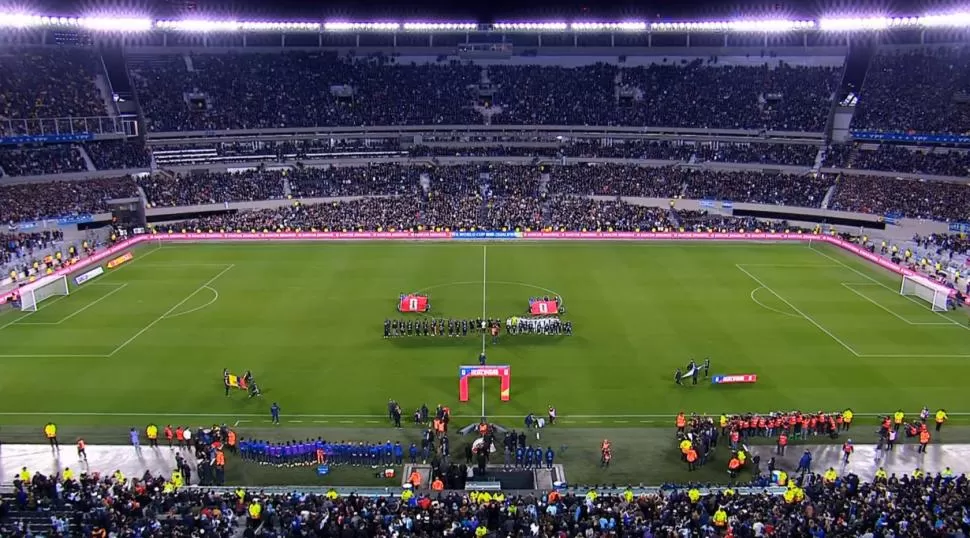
x: 503, y: 372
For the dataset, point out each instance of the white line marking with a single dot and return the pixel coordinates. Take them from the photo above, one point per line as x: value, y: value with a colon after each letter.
x: 295, y: 421
x: 82, y: 309
x: 790, y: 265
x: 215, y: 298
x: 372, y: 421
x: 915, y: 356
x: 878, y: 283
x: 753, y: 298
x: 170, y: 310
x: 321, y: 421
x: 346, y: 421
x: 475, y: 282
x: 848, y: 286
x: 54, y: 356
x: 39, y: 308
x: 809, y: 319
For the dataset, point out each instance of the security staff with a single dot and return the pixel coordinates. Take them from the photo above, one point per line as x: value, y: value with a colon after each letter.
x: 50, y: 431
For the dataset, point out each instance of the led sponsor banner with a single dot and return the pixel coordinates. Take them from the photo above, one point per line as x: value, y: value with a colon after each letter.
x: 86, y: 262
x: 734, y: 378
x: 296, y: 236
x: 45, y: 139
x: 82, y: 278
x: 486, y: 235
x: 502, y: 372
x: 127, y: 256
x: 878, y: 136
x: 959, y: 227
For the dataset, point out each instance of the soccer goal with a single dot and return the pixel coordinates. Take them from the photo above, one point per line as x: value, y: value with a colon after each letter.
x: 32, y: 294
x: 930, y: 292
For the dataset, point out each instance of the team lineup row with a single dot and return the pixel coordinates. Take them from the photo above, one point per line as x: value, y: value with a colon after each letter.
x: 394, y: 328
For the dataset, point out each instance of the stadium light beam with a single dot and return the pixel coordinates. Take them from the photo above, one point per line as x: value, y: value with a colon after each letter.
x: 116, y: 24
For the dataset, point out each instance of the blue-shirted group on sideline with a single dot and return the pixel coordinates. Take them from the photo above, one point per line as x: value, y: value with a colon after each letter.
x: 316, y: 451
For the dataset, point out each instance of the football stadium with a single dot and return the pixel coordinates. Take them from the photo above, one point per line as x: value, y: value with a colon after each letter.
x: 658, y: 277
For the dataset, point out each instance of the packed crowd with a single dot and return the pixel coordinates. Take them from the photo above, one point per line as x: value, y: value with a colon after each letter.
x: 552, y: 212
x: 377, y: 91
x: 912, y: 161
x: 23, y: 202
x: 211, y: 187
x: 53, y: 83
x: 119, y: 154
x: 758, y: 188
x: 39, y: 160
x: 929, y: 506
x: 15, y: 246
x: 937, y: 200
x: 915, y: 90
x: 788, y: 154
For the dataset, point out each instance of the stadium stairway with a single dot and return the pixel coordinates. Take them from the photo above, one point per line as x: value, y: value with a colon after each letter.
x: 88, y: 163
x: 829, y: 194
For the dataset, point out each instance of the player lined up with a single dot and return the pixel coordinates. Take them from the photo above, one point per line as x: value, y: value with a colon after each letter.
x: 454, y: 328
x: 544, y: 326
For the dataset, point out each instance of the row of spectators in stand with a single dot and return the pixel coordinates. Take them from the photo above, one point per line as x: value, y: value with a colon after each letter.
x: 788, y: 154
x: 32, y: 201
x: 944, y: 243
x: 20, y: 161
x: 119, y: 154
x: 376, y: 90
x: 936, y: 200
x: 703, y: 221
x: 211, y: 187
x: 916, y: 90
x: 49, y: 83
x: 934, y: 161
x: 519, y: 211
x: 15, y: 245
x: 378, y: 93
x: 928, y: 506
x: 41, y: 160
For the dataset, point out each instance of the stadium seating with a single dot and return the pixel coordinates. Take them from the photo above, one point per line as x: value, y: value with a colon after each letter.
x: 914, y: 91
x: 937, y: 200
x: 789, y: 154
x: 39, y: 160
x: 53, y: 83
x: 901, y: 159
x: 212, y: 188
x: 899, y: 506
x: 118, y: 155
x: 389, y: 94
x: 18, y: 246
x: 25, y: 202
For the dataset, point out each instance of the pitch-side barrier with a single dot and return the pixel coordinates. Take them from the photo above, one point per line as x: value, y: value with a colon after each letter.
x: 483, y: 236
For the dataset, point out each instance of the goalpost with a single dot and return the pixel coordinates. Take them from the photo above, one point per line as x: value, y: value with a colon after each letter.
x: 930, y: 292
x: 32, y: 294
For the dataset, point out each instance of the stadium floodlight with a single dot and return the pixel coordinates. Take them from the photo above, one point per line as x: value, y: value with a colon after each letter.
x: 361, y: 26
x: 20, y: 20
x: 271, y: 26
x: 744, y: 25
x: 854, y: 24
x: 532, y: 26
x: 960, y: 20
x: 199, y: 25
x: 629, y: 26
x: 116, y: 24
x: 439, y: 26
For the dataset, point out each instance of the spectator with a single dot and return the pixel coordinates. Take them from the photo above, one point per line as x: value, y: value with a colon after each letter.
x: 33, y: 201
x: 212, y: 188
x: 937, y: 200
x: 41, y: 160
x: 119, y: 154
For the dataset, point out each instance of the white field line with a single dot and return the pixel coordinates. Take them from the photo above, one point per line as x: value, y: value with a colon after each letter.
x: 878, y: 283
x: 169, y: 311
x: 83, y: 308
x: 759, y: 303
x: 792, y: 265
x: 849, y: 286
x: 794, y: 309
x: 215, y: 298
x: 28, y: 314
x: 52, y: 356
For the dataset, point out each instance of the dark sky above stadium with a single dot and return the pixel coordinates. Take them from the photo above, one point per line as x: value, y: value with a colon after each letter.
x: 492, y: 10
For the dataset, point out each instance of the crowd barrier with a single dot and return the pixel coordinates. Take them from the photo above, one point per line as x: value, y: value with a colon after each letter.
x: 486, y: 236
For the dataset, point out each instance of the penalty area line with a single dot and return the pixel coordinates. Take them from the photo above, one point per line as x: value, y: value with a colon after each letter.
x: 170, y: 310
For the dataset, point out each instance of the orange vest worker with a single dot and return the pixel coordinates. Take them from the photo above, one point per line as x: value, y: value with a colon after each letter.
x: 437, y: 485
x: 415, y: 479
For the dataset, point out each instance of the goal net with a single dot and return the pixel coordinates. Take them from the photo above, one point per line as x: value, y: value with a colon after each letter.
x: 930, y: 292
x: 32, y: 294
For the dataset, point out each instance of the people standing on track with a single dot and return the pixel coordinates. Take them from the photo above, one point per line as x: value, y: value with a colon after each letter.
x: 50, y: 431
x: 274, y: 412
x: 81, y: 452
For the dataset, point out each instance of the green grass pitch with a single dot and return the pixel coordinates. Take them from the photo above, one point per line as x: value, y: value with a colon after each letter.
x: 148, y: 341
